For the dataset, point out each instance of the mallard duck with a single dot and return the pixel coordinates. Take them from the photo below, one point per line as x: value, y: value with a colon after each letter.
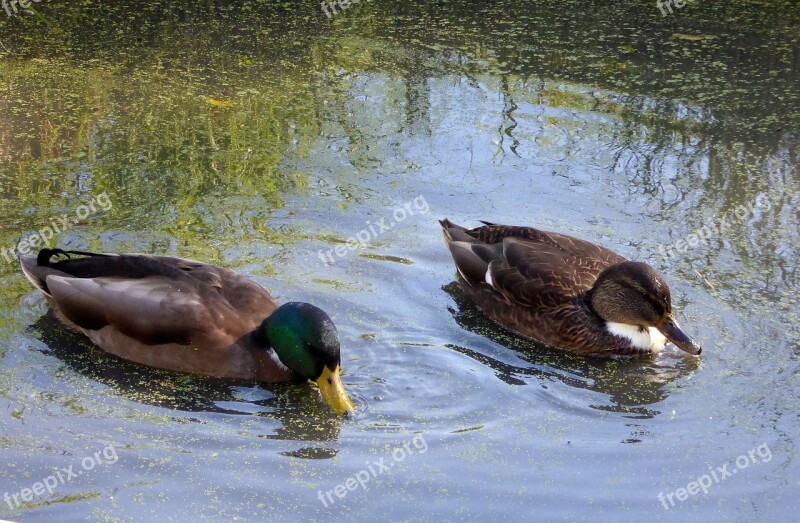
x: 187, y: 316
x: 565, y: 292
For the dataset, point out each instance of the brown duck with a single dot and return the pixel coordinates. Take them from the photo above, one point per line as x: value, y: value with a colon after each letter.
x: 565, y: 292
x: 188, y: 316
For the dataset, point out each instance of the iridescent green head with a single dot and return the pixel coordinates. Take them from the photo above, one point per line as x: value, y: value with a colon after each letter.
x: 306, y: 341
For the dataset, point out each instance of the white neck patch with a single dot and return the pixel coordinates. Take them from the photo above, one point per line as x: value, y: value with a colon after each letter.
x: 649, y: 339
x: 489, y: 276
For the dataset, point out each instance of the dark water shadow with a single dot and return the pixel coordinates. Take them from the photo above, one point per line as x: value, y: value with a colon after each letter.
x: 296, y: 406
x: 634, y: 387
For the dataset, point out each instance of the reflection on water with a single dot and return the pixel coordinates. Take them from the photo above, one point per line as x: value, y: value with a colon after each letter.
x: 256, y: 134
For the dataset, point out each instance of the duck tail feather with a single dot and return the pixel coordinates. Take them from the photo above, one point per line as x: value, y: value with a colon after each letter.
x: 34, y: 272
x: 472, y: 258
x: 455, y: 232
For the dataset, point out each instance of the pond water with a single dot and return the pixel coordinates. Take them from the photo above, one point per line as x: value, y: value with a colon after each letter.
x: 262, y: 135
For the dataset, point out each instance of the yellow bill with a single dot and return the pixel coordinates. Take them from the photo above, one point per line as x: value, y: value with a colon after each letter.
x: 330, y: 385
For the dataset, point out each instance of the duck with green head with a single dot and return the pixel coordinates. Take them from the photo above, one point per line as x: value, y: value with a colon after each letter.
x: 565, y: 292
x: 187, y: 316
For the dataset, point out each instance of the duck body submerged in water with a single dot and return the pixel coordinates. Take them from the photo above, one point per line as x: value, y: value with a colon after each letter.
x: 565, y: 292
x: 187, y: 316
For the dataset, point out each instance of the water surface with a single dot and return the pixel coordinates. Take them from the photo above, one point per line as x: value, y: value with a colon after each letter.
x: 263, y: 135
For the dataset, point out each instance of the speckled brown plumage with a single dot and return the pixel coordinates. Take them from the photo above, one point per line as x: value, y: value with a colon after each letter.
x: 541, y: 284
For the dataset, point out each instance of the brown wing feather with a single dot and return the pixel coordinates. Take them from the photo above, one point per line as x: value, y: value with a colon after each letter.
x: 554, y: 271
x: 526, y: 262
x: 165, y: 312
x: 153, y: 310
x: 539, y: 282
x: 155, y: 299
x: 250, y: 299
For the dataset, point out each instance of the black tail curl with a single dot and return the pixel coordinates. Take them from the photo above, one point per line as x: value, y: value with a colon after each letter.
x: 43, y: 258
